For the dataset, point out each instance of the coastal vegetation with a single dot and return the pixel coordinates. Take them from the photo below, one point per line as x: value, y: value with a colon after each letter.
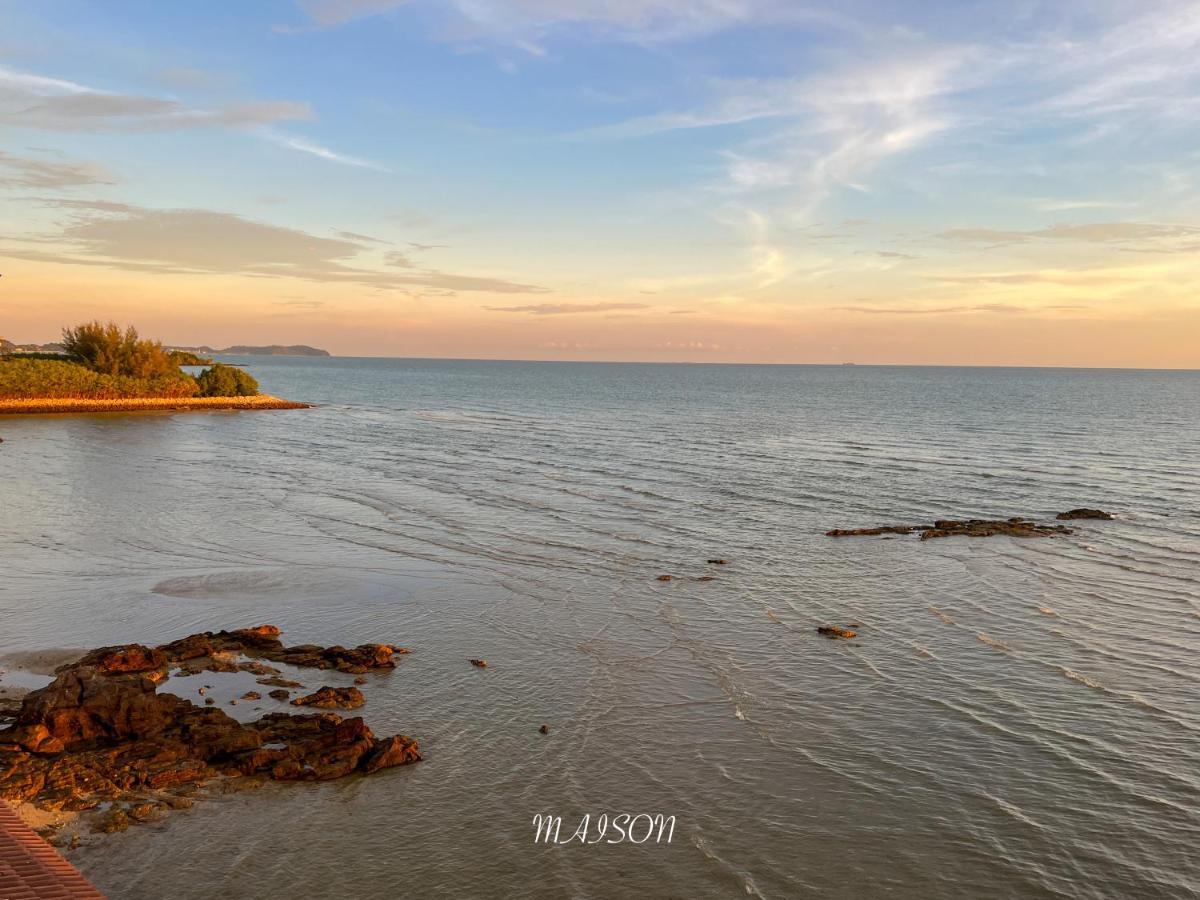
x: 226, y: 381
x: 188, y: 358
x: 106, y: 349
x: 102, y: 361
x: 35, y: 379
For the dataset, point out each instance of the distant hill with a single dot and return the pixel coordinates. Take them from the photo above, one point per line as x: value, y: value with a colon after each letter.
x: 32, y: 348
x: 204, y: 350
x: 274, y: 350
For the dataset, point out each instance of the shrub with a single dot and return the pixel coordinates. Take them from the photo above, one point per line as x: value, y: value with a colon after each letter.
x: 106, y: 349
x: 226, y: 381
x: 55, y: 378
x: 187, y: 358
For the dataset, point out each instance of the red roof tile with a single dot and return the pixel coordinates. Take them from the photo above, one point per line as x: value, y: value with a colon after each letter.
x: 30, y: 869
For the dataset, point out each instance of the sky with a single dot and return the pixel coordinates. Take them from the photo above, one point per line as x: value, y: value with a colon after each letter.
x: 948, y: 182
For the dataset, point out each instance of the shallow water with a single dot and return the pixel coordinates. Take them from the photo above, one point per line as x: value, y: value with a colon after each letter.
x: 1017, y: 718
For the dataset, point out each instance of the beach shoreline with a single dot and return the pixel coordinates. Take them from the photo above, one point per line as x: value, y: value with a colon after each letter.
x: 50, y: 405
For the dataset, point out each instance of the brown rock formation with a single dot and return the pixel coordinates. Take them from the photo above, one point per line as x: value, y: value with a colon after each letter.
x: 333, y: 698
x: 101, y: 733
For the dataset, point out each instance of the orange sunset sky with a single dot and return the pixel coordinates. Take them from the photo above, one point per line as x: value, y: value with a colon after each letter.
x: 740, y: 181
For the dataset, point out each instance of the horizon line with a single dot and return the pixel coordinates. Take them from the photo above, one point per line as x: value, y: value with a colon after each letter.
x: 653, y: 362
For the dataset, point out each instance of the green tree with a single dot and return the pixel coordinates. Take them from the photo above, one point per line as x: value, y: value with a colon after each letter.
x: 226, y: 381
x: 188, y: 358
x: 108, y: 350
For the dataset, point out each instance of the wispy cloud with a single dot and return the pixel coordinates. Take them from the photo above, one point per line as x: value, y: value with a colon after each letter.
x: 1095, y: 232
x: 17, y: 171
x: 1077, y: 279
x: 200, y: 241
x: 562, y: 309
x: 525, y: 24
x: 33, y: 101
x: 1007, y: 309
x: 312, y: 148
x: 1047, y: 205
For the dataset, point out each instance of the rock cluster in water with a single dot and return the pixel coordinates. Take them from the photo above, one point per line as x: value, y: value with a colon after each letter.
x: 836, y: 632
x: 1085, y: 513
x: 101, y: 736
x: 1014, y: 527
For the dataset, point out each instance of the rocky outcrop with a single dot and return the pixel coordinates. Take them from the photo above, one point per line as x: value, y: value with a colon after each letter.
x: 333, y: 698
x: 1085, y: 513
x: 1015, y: 527
x: 102, y: 736
x: 201, y: 651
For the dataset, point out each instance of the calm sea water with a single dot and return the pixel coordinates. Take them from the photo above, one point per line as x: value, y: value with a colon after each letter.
x: 1017, y: 719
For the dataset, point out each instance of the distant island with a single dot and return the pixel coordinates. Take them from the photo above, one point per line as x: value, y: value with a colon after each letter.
x: 199, y: 352
x: 273, y: 350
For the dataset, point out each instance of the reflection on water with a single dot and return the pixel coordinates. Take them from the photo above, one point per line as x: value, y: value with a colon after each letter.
x: 1016, y: 718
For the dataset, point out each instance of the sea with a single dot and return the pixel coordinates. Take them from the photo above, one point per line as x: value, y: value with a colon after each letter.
x: 1017, y: 718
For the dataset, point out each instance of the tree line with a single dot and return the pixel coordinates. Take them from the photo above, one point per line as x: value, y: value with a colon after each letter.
x: 102, y: 360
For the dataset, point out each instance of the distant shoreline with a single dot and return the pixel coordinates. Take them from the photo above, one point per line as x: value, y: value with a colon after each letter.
x: 47, y: 405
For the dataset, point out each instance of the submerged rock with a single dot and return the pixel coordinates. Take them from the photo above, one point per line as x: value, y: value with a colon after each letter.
x: 834, y: 632
x: 276, y: 681
x: 478, y: 663
x: 882, y: 529
x: 1085, y: 513
x: 101, y: 735
x: 988, y: 527
x: 1014, y: 527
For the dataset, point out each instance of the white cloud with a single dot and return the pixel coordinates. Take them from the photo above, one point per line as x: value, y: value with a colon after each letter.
x: 824, y: 131
x: 314, y: 149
